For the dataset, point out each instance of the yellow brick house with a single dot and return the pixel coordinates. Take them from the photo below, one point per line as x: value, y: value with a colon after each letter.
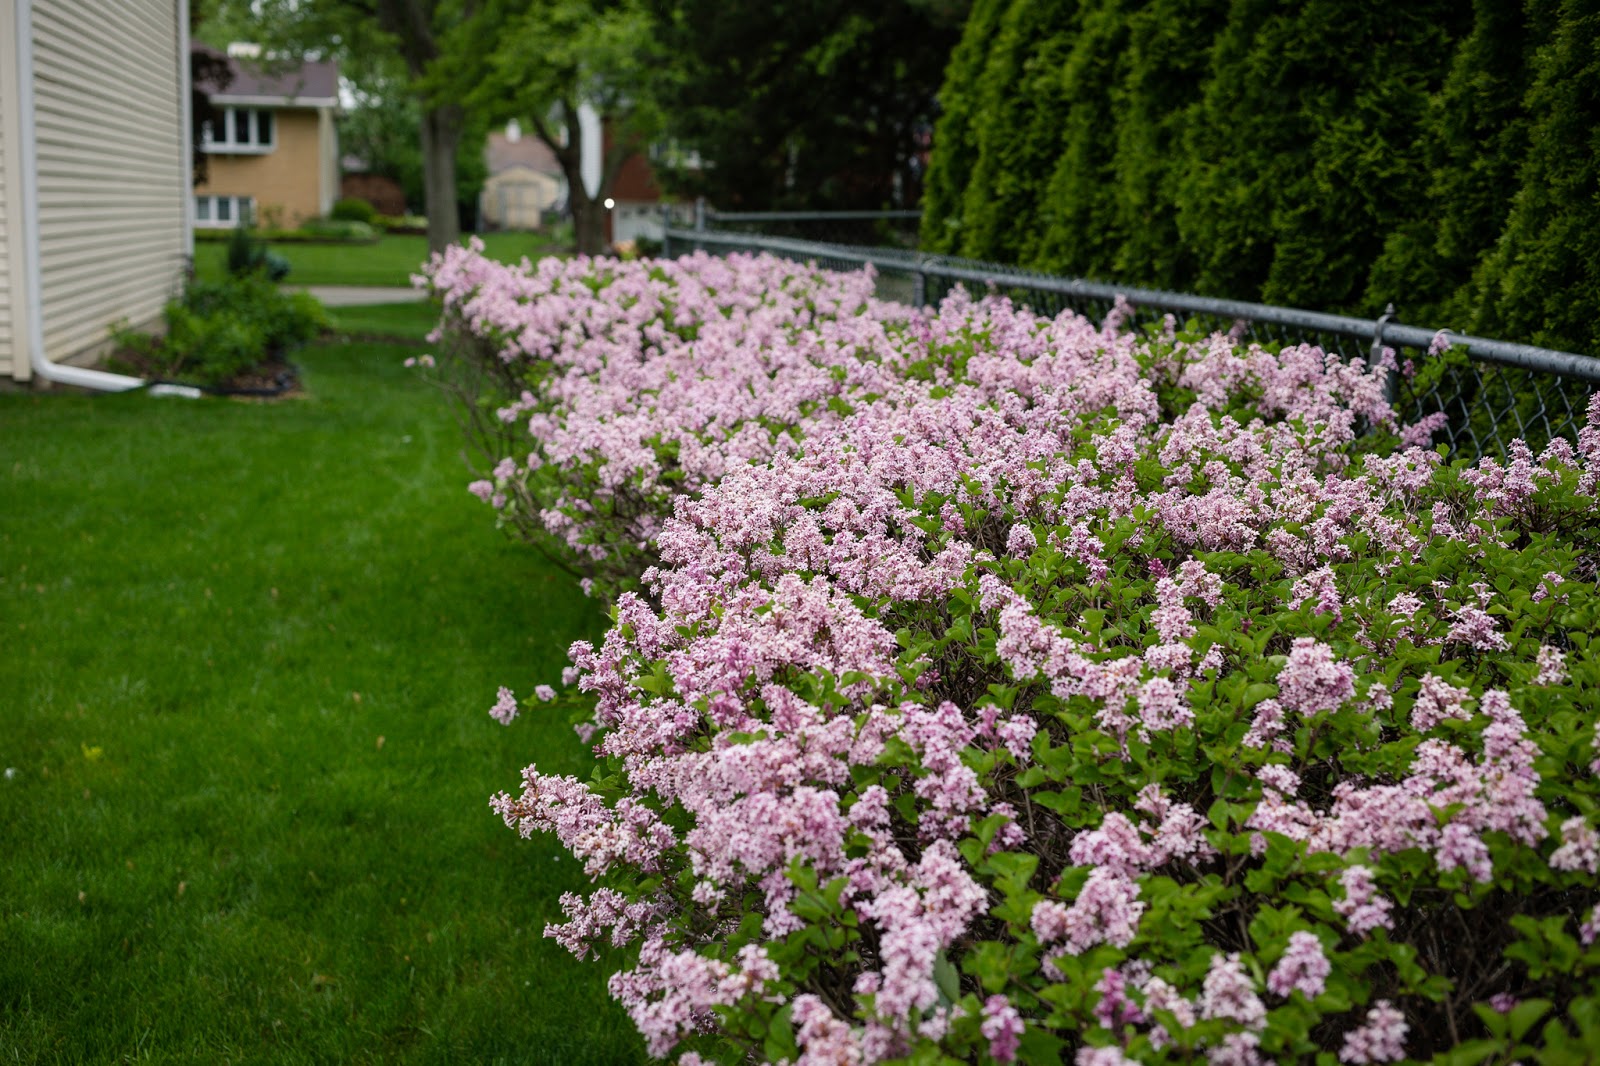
x: 274, y: 151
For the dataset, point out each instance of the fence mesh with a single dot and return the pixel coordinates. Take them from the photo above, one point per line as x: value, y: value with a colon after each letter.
x: 1490, y: 392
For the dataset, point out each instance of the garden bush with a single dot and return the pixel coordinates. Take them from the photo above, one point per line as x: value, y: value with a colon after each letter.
x: 355, y: 209
x: 218, y: 330
x: 338, y: 230
x: 602, y: 389
x: 1069, y: 695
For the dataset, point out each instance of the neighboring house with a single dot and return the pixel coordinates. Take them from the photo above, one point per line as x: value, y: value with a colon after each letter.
x: 94, y: 177
x: 276, y: 153
x: 524, y: 182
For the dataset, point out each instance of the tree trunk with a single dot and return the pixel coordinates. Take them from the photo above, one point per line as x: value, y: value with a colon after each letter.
x: 441, y: 136
x: 589, y: 225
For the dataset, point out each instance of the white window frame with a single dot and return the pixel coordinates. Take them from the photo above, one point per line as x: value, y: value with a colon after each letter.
x: 228, y: 146
x: 209, y: 219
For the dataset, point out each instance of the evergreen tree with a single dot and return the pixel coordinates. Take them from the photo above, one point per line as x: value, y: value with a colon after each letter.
x: 1169, y: 43
x: 1541, y: 282
x: 955, y: 135
x: 1474, y: 143
x: 1019, y: 134
x: 1075, y: 229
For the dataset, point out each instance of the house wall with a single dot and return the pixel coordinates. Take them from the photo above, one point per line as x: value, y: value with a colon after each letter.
x: 291, y: 177
x: 9, y: 117
x: 108, y: 85
x: 7, y: 122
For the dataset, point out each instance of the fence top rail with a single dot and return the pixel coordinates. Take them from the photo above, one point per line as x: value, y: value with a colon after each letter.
x: 1566, y: 364
x: 714, y: 215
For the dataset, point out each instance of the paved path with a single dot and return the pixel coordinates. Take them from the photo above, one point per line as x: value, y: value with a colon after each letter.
x: 357, y: 295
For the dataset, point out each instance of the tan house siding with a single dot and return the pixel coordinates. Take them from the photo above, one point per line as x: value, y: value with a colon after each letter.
x: 108, y: 103
x: 289, y: 178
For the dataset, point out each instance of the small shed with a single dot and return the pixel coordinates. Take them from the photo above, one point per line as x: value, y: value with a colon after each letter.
x: 524, y: 182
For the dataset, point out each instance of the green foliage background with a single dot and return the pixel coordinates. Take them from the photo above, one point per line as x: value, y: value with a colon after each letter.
x: 1334, y: 154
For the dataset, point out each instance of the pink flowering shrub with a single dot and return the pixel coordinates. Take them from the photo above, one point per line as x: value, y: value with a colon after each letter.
x: 598, y: 390
x: 1076, y: 696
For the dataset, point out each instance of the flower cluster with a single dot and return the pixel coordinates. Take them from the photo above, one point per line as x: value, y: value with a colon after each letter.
x: 1062, y: 692
x: 602, y: 389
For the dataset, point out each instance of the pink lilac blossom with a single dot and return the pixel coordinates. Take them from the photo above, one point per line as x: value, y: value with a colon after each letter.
x: 1552, y: 666
x: 1362, y: 908
x: 1237, y: 1049
x: 1437, y: 700
x: 504, y: 710
x: 1002, y: 1027
x: 1381, y: 1039
x: 1476, y: 627
x: 1303, y: 968
x: 1107, y: 911
x: 773, y: 658
x: 1589, y: 928
x: 1229, y: 993
x: 1580, y: 847
x: 1115, y: 1009
x: 1103, y: 1056
x: 1313, y: 681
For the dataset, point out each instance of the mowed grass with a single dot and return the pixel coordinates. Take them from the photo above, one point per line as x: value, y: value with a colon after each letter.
x: 390, y: 261
x: 246, y: 652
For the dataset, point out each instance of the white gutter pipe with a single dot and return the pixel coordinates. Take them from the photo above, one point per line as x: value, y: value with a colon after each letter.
x: 32, y: 281
x: 186, y: 109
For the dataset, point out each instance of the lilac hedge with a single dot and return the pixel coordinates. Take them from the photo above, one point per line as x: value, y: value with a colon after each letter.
x: 1060, y: 694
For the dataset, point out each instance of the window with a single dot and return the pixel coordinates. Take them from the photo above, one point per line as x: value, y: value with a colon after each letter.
x: 245, y: 130
x: 222, y: 212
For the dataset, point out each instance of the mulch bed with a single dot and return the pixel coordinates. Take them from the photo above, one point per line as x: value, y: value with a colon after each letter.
x: 272, y: 379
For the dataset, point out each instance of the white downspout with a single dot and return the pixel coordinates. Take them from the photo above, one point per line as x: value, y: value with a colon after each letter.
x: 32, y: 282
x: 186, y: 109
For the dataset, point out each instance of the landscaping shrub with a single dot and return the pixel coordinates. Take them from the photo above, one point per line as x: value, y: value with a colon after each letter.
x: 1071, y: 695
x: 338, y: 230
x: 600, y: 390
x: 248, y: 255
x: 220, y: 329
x: 354, y: 209
x: 413, y: 224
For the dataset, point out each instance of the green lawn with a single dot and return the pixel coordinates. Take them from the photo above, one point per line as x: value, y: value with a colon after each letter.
x: 246, y: 654
x: 391, y: 261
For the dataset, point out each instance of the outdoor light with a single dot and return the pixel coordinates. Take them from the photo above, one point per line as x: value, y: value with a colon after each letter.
x: 610, y: 203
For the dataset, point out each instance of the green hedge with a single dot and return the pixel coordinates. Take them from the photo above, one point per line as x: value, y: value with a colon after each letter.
x: 1334, y: 154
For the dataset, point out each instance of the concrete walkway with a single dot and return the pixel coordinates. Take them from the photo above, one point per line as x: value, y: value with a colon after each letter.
x: 358, y: 295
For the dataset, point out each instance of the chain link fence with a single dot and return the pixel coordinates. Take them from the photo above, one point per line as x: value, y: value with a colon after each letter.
x: 1491, y: 392
x: 859, y: 229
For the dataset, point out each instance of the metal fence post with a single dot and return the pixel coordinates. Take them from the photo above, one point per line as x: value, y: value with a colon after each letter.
x: 699, y: 220
x: 666, y: 231
x: 919, y: 286
x: 1391, y: 381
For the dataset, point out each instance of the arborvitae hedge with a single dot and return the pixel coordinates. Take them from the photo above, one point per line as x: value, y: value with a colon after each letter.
x: 1335, y: 154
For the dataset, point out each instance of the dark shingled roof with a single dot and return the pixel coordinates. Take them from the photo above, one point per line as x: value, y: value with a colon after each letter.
x: 314, y: 79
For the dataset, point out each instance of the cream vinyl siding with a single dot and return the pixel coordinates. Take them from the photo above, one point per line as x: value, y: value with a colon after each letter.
x: 10, y: 290
x: 8, y: 348
x: 113, y: 180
